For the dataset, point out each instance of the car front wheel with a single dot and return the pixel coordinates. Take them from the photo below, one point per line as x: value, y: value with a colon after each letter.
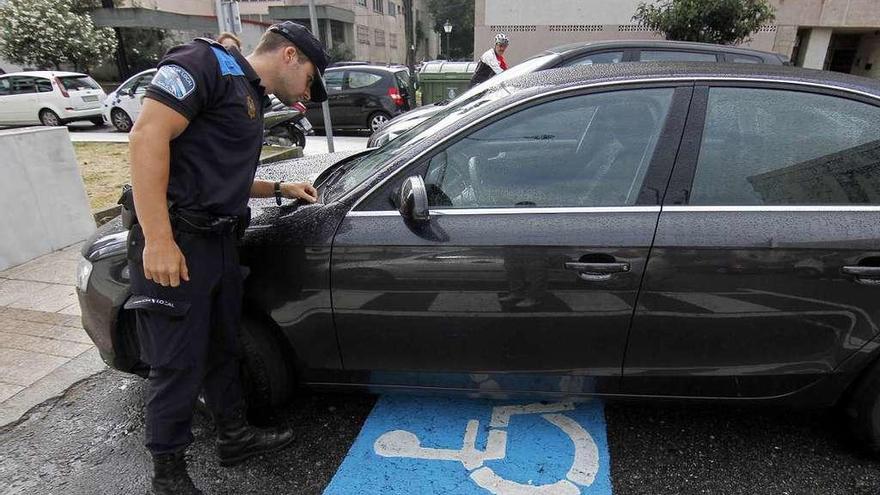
x: 49, y: 118
x: 862, y: 409
x: 266, y: 377
x: 378, y: 120
x: 121, y: 120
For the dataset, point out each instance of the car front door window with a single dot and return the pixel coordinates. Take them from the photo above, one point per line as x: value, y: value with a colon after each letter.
x: 581, y: 151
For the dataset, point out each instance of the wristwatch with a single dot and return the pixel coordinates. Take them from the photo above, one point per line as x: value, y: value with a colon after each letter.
x: 278, y: 193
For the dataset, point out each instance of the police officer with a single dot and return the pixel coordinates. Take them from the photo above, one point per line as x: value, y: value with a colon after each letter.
x: 194, y: 152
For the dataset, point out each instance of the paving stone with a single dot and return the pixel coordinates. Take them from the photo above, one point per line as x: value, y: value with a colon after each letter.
x: 55, y: 271
x: 51, y: 385
x: 73, y: 309
x: 42, y: 317
x: 50, y: 299
x: 62, y: 348
x: 14, y: 290
x: 19, y: 367
x: 45, y: 330
x: 7, y: 390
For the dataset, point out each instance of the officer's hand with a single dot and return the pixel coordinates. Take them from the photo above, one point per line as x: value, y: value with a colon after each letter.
x: 164, y: 263
x: 299, y: 190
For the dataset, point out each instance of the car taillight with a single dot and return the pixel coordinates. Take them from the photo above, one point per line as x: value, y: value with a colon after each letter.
x: 299, y: 106
x: 64, y: 92
x: 395, y: 96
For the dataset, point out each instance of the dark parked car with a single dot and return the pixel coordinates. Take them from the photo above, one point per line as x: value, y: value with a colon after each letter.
x: 590, y: 53
x: 364, y: 97
x: 637, y: 231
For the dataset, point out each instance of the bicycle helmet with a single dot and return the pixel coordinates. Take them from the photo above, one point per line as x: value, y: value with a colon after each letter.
x: 501, y: 39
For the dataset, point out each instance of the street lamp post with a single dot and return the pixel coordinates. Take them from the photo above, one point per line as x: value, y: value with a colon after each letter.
x: 448, y: 28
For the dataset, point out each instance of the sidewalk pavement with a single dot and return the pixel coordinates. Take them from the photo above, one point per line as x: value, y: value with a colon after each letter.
x: 43, y: 347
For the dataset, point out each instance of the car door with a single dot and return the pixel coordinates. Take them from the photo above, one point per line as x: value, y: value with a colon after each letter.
x: 764, y: 273
x: 6, y: 114
x: 22, y: 102
x: 362, y: 95
x: 134, y: 99
x: 334, y: 80
x: 541, y: 222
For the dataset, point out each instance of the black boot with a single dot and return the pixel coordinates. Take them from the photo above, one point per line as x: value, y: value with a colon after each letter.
x: 170, y: 476
x: 237, y: 440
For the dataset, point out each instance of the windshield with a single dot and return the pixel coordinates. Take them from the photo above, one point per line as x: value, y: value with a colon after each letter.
x: 352, y: 174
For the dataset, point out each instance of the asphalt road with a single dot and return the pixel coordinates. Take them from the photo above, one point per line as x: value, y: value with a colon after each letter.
x: 90, y: 441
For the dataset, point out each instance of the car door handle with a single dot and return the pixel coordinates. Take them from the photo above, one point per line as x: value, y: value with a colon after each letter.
x: 866, y: 275
x: 596, y: 272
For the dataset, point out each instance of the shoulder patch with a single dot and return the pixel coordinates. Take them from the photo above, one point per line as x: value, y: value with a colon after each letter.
x: 174, y: 80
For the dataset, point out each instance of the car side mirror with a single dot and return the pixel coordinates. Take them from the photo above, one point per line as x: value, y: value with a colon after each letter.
x: 414, y: 199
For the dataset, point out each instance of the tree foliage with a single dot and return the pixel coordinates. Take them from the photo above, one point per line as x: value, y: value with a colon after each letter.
x: 49, y: 33
x: 460, y: 14
x: 708, y: 21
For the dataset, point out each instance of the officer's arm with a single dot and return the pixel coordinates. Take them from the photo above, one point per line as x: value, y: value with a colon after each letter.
x: 291, y: 190
x: 150, y: 154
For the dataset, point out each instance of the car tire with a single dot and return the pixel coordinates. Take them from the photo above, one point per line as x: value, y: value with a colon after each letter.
x: 862, y: 409
x: 49, y: 118
x: 120, y: 119
x: 266, y: 378
x: 377, y: 120
x: 97, y: 121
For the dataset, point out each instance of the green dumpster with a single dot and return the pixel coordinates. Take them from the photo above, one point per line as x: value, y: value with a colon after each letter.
x: 444, y: 80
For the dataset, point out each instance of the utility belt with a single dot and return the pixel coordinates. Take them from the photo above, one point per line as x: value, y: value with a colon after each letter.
x: 189, y: 221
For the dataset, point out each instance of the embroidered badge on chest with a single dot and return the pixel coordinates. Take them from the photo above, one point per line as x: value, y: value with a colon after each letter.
x: 174, y: 80
x: 252, y: 108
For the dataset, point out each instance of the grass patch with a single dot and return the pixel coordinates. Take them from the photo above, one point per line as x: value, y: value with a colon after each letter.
x: 104, y: 169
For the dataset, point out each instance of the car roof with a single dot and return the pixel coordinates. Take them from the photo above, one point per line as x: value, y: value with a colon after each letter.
x: 659, y: 44
x: 46, y: 73
x: 648, y: 71
x: 367, y: 67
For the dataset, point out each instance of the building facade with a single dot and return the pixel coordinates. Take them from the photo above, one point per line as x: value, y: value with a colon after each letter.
x: 840, y: 35
x: 367, y: 30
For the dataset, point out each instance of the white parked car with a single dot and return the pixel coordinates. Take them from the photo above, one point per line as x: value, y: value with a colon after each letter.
x: 121, y: 108
x: 50, y: 98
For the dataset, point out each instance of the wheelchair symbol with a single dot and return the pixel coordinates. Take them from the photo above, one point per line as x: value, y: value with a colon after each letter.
x: 585, y: 464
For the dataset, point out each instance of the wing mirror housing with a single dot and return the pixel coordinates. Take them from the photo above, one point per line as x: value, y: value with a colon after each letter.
x: 414, y: 199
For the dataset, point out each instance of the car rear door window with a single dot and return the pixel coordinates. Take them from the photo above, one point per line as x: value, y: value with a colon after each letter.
x: 43, y: 85
x: 597, y: 58
x: 23, y: 85
x: 334, y: 80
x: 589, y: 150
x: 779, y: 147
x: 358, y: 80
x: 676, y: 56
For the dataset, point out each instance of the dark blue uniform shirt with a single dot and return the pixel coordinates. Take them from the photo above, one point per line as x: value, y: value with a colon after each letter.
x: 214, y: 160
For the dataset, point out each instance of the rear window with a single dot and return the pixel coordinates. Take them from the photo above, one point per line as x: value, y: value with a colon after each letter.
x: 78, y: 83
x: 362, y: 79
x: 402, y: 79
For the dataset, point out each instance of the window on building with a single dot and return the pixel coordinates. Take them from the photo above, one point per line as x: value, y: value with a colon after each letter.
x: 337, y: 32
x: 363, y: 35
x: 362, y: 3
x: 392, y: 9
x: 774, y: 147
x: 379, y: 6
x: 380, y: 37
x: 392, y: 40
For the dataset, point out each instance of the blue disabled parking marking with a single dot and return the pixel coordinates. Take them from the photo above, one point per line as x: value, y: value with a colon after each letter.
x: 420, y: 445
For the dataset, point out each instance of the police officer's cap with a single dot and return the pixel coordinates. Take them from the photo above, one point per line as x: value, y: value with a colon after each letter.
x: 311, y: 48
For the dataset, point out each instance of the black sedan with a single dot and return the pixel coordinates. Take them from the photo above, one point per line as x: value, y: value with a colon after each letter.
x: 592, y: 53
x: 657, y: 231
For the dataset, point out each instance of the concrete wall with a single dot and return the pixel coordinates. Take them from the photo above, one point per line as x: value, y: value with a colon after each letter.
x: 43, y: 203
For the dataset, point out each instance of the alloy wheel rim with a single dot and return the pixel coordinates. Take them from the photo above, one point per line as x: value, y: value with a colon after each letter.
x: 120, y: 121
x: 378, y: 122
x: 50, y: 119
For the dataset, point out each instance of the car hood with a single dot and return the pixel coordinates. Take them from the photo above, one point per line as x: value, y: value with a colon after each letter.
x: 110, y: 238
